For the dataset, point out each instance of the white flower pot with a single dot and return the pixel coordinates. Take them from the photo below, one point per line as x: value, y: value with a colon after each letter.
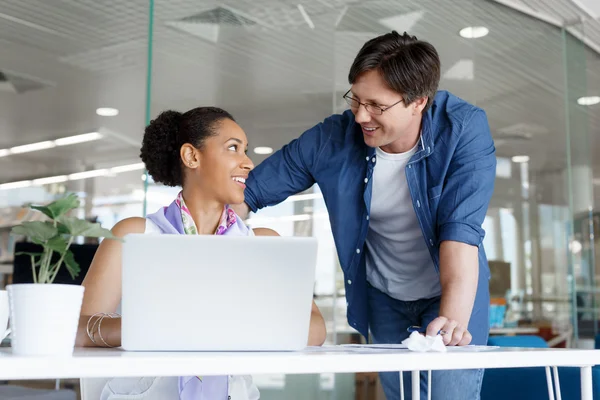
x: 44, y: 318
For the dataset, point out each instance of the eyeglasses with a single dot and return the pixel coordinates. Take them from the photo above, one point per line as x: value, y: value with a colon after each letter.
x: 371, y: 108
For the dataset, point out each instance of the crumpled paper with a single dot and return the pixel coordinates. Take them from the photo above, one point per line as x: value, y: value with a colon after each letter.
x: 422, y: 344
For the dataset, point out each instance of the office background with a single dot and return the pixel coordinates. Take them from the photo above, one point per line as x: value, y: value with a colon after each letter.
x: 105, y: 68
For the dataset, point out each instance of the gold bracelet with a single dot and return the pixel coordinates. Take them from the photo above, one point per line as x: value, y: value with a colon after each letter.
x: 111, y: 315
x: 91, y: 331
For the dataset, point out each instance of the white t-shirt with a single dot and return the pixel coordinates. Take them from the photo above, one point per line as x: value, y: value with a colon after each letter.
x: 398, y: 260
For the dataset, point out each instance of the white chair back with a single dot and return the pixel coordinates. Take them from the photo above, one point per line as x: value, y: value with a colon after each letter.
x: 91, y: 388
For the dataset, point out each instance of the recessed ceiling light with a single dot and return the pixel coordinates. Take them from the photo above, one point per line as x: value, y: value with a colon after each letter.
x: 4, y: 152
x: 86, y: 137
x: 263, y: 150
x: 588, y: 100
x: 127, y: 168
x: 50, y: 180
x: 520, y: 159
x: 26, y: 148
x: 88, y: 174
x: 16, y: 185
x: 107, y: 112
x: 474, y: 32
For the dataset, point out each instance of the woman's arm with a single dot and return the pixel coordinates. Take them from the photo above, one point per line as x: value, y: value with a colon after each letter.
x: 103, y: 285
x: 317, y: 333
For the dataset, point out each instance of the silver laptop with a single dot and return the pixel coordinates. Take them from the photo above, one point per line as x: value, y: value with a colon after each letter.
x: 217, y: 293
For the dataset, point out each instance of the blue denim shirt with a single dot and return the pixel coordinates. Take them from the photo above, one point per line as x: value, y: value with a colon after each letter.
x: 450, y: 178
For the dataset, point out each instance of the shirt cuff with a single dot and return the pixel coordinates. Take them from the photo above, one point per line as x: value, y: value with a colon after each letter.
x: 250, y: 200
x: 461, y: 232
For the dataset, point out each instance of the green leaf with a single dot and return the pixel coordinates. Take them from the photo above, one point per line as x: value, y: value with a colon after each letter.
x: 58, y: 244
x: 62, y: 230
x: 27, y: 253
x: 71, y: 264
x: 78, y: 227
x: 59, y: 207
x: 36, y: 230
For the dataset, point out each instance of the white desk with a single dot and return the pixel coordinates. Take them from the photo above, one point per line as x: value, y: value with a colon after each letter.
x: 99, y: 363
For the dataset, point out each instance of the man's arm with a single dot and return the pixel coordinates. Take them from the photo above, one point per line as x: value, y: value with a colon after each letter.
x: 464, y: 202
x: 459, y: 274
x: 290, y: 170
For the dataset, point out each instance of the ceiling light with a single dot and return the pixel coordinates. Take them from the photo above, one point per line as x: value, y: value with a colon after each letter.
x: 50, y: 180
x: 86, y: 137
x: 49, y: 144
x: 588, y: 100
x: 73, y: 177
x: 263, y: 150
x: 88, y: 174
x: 107, y: 112
x: 15, y: 185
x: 520, y: 159
x: 33, y: 147
x: 127, y: 168
x: 474, y: 32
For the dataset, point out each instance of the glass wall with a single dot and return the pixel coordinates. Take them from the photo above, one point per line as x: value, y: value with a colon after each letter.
x: 67, y: 68
x: 72, y: 95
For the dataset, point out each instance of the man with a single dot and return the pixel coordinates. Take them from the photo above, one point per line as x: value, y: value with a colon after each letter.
x: 407, y: 175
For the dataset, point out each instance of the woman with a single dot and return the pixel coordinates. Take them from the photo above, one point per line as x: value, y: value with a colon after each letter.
x: 204, y: 151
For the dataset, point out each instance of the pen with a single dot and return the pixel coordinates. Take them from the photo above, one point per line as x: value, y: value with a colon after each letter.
x: 417, y: 328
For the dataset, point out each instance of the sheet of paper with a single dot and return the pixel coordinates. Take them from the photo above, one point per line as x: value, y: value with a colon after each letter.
x: 376, y: 346
x: 386, y: 347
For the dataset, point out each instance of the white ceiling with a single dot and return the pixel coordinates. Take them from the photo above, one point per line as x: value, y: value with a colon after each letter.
x: 262, y: 61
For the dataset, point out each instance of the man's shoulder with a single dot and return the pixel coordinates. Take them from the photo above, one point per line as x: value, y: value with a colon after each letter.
x: 339, y: 125
x: 450, y: 110
x: 336, y: 129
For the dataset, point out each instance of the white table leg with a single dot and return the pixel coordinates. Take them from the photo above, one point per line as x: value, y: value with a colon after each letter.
x: 401, y: 385
x: 549, y: 382
x: 429, y: 385
x: 416, y: 385
x: 586, y: 383
x: 557, y: 384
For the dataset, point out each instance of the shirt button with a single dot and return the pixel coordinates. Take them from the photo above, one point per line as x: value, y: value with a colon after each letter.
x: 409, y: 166
x: 357, y: 251
x: 367, y: 217
x: 418, y: 203
x: 366, y: 180
x: 349, y: 282
x: 367, y: 158
x: 373, y: 159
x: 431, y: 242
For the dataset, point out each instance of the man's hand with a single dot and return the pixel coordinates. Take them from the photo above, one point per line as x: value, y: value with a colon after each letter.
x: 453, y: 334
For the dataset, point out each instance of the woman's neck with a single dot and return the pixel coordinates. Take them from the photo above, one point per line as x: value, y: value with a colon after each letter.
x: 205, y: 212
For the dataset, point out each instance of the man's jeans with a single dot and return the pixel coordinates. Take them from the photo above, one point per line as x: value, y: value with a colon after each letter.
x: 389, y: 320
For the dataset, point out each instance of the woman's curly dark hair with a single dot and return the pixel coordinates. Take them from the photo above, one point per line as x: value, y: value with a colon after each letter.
x: 165, y: 135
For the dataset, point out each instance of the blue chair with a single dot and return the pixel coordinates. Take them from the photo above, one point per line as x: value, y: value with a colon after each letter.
x: 530, y: 383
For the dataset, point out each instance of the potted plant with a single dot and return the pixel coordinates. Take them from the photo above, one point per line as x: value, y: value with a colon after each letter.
x: 44, y: 316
